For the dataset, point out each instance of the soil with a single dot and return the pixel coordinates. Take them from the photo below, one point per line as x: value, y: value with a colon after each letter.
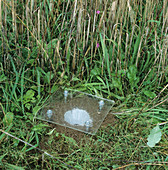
x: 110, y: 120
x: 77, y: 135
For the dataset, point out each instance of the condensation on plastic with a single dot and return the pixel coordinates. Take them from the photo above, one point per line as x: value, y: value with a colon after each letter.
x: 77, y: 116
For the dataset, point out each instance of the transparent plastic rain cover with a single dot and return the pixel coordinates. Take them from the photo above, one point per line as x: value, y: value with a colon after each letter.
x: 76, y: 110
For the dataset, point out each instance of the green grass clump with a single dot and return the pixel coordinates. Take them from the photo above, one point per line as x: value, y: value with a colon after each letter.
x: 113, y: 49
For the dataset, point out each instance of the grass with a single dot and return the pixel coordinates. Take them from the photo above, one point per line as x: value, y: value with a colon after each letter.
x: 116, y: 146
x: 113, y: 49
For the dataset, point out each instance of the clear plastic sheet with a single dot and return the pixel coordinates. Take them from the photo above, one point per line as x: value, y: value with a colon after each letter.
x: 76, y: 110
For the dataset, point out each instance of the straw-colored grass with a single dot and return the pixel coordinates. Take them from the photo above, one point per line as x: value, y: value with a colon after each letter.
x: 74, y: 26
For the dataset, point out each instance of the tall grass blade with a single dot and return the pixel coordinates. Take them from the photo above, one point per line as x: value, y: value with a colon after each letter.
x: 16, y: 81
x: 38, y: 82
x: 22, y: 88
x: 105, y: 55
x: 136, y: 47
